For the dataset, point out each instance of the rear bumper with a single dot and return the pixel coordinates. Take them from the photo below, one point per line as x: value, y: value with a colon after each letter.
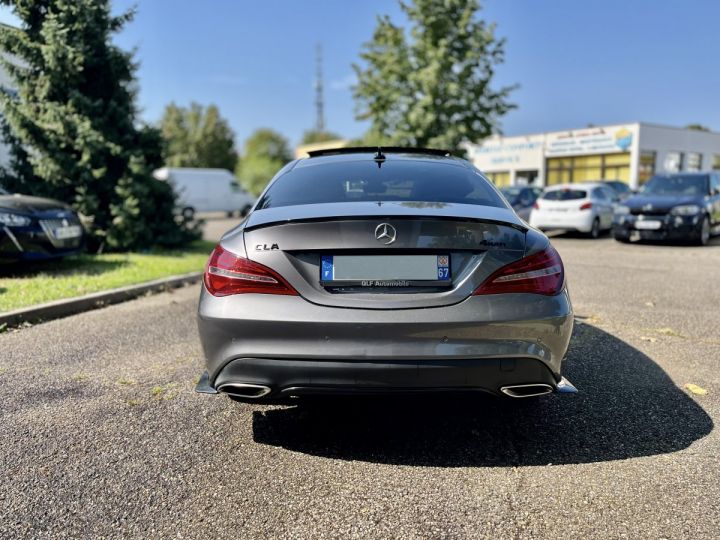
x: 672, y: 227
x: 295, y: 347
x: 302, y: 377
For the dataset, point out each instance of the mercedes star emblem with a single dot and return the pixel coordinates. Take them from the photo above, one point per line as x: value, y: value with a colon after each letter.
x: 385, y: 233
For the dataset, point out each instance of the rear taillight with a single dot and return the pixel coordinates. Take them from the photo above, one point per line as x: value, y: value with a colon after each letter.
x: 586, y: 206
x: 541, y: 273
x: 536, y: 206
x: 227, y: 274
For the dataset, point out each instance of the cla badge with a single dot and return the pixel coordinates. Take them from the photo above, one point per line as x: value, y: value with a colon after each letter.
x: 385, y: 233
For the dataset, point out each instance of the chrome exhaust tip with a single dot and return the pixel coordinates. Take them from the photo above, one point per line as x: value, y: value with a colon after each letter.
x: 526, y: 390
x: 245, y: 390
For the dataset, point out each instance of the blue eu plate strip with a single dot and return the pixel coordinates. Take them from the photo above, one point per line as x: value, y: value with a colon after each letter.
x: 327, y: 268
x: 443, y: 267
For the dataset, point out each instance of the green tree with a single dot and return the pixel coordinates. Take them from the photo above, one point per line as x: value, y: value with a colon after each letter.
x: 697, y: 127
x: 314, y: 136
x: 73, y: 125
x: 431, y: 85
x: 197, y: 137
x: 264, y: 153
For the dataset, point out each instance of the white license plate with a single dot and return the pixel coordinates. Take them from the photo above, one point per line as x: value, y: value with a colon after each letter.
x: 375, y: 269
x: 649, y: 225
x: 71, y: 231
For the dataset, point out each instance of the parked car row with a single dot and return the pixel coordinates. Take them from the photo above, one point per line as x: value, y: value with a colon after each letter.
x: 674, y: 207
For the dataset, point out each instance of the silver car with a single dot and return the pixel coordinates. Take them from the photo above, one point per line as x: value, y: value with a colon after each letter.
x: 383, y: 271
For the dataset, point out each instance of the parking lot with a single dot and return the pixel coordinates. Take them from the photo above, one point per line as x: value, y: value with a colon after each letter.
x: 103, y: 435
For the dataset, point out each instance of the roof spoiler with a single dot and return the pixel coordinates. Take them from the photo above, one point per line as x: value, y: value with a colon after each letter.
x: 378, y: 151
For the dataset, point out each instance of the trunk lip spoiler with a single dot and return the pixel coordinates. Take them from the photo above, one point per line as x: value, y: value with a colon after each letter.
x: 359, y: 217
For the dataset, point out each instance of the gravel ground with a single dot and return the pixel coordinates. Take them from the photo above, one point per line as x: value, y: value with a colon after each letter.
x: 102, y: 435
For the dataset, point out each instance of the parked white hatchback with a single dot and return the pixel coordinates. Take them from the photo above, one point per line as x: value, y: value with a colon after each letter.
x: 586, y: 207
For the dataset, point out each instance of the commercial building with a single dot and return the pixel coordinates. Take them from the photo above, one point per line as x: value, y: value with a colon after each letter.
x: 628, y: 152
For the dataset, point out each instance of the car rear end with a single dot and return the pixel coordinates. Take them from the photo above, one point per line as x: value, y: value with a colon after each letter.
x: 347, y: 294
x: 568, y: 207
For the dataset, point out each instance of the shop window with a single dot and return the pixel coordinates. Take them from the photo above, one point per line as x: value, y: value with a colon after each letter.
x: 716, y: 162
x: 583, y: 174
x: 584, y: 168
x: 694, y: 162
x: 646, y: 168
x: 673, y: 161
x: 617, y: 159
x: 587, y: 161
x: 524, y: 178
x: 619, y: 172
x: 500, y: 179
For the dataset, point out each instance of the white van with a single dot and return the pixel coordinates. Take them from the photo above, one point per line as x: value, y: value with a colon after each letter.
x: 206, y: 190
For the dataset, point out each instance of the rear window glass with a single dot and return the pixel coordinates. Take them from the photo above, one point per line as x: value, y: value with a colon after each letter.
x: 395, y: 180
x: 564, y: 195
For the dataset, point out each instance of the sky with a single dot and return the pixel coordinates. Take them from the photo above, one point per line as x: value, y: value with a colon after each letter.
x: 577, y: 62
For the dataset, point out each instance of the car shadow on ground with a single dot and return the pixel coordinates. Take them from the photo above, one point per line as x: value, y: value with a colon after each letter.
x: 627, y: 407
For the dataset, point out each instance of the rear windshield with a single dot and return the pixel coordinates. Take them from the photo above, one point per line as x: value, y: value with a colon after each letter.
x: 395, y: 180
x: 677, y: 184
x: 564, y: 195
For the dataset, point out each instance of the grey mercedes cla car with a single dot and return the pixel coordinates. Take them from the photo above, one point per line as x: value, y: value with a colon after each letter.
x: 365, y: 270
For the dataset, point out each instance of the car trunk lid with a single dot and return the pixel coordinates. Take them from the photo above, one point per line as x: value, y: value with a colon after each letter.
x: 293, y: 240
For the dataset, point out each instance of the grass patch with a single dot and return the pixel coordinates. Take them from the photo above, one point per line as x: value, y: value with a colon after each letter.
x: 166, y: 392
x: 83, y: 274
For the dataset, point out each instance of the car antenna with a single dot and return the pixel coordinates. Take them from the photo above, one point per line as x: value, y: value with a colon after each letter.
x: 379, y: 157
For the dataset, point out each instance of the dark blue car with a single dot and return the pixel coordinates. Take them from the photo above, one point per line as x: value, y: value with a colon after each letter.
x: 32, y: 228
x: 521, y: 198
x: 673, y: 207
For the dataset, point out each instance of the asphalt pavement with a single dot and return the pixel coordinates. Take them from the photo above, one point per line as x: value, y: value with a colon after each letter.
x: 103, y: 436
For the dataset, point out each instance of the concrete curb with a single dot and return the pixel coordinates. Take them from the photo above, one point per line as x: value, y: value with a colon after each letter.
x: 70, y: 306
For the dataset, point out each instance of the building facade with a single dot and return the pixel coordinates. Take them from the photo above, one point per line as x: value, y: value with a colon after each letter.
x: 628, y: 152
